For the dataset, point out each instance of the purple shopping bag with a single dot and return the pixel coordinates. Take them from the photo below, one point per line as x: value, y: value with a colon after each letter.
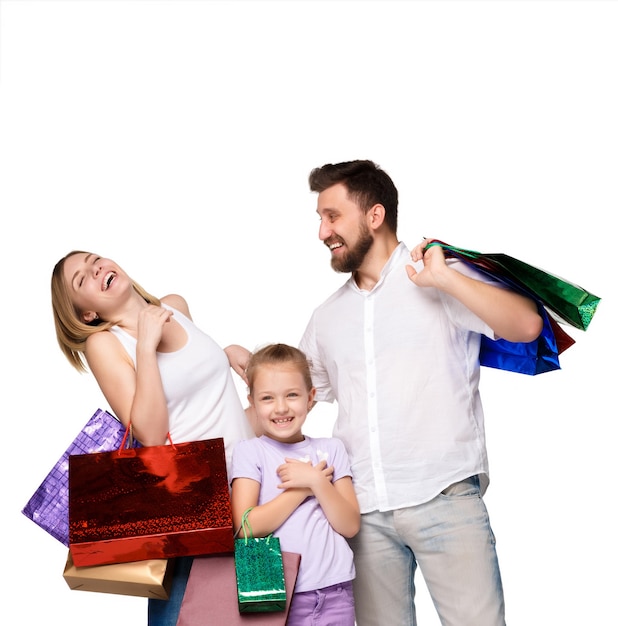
x: 49, y: 505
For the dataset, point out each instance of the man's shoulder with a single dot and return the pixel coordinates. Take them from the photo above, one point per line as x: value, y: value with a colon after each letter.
x: 336, y: 295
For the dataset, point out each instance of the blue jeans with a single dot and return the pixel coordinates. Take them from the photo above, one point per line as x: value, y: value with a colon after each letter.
x: 165, y: 612
x: 329, y: 606
x: 451, y: 540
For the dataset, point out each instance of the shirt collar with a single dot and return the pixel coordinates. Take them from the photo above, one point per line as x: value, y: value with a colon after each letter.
x: 399, y: 253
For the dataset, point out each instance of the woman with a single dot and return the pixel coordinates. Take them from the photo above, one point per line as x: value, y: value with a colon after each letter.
x: 156, y: 369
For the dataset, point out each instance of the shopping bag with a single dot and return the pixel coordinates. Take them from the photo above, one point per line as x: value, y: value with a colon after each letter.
x: 147, y: 579
x: 211, y: 598
x: 535, y: 357
x: 260, y: 579
x: 49, y: 504
x: 152, y: 502
x: 570, y: 303
x: 558, y: 302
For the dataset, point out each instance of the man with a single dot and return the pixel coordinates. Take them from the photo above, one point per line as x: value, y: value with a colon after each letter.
x: 397, y: 347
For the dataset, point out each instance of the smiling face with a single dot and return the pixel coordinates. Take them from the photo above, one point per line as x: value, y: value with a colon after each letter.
x: 281, y: 400
x: 343, y: 228
x: 93, y: 284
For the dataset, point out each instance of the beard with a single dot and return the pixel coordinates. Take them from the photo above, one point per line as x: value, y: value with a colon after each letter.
x: 351, y: 260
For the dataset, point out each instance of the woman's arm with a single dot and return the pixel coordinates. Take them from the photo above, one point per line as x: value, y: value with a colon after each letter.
x: 135, y: 394
x: 239, y: 359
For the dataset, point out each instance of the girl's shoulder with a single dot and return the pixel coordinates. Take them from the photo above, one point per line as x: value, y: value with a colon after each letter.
x: 331, y: 443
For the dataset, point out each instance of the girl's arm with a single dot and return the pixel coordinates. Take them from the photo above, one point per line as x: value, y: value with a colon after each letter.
x: 338, y: 499
x: 265, y: 518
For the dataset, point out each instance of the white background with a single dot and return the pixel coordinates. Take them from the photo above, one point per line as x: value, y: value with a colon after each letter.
x: 176, y: 138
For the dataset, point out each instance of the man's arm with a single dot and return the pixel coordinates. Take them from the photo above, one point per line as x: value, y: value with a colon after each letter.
x: 510, y: 315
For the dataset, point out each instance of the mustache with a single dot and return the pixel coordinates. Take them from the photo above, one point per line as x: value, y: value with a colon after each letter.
x: 331, y: 240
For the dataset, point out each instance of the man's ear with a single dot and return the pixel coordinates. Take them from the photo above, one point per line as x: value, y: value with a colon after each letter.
x: 375, y: 216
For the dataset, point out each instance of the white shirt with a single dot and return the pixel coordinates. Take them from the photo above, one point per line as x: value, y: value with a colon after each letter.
x: 402, y: 362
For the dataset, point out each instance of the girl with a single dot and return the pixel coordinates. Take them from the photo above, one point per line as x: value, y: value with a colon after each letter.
x: 300, y: 488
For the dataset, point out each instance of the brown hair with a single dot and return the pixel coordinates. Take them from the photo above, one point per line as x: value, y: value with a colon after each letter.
x: 367, y: 184
x: 278, y: 354
x: 71, y: 331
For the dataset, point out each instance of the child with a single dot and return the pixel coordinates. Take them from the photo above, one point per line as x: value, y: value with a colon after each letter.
x: 300, y: 487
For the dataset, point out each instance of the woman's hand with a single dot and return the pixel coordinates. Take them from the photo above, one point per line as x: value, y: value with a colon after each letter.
x: 150, y: 323
x: 239, y: 359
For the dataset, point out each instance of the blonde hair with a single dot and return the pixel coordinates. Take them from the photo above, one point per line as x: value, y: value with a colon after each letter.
x: 71, y: 331
x: 278, y: 354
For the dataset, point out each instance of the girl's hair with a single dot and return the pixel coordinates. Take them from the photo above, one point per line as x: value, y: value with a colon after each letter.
x: 278, y: 354
x: 71, y: 331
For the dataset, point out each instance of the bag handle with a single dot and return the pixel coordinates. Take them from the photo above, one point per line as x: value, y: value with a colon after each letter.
x: 128, y: 433
x: 246, y: 527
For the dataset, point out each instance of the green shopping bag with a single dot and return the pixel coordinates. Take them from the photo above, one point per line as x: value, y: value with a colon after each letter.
x: 570, y: 303
x: 259, y: 571
x: 558, y: 300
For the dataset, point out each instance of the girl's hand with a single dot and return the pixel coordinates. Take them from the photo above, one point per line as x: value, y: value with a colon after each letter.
x: 297, y: 474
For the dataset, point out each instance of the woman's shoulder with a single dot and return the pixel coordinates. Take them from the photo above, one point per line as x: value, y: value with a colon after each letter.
x: 177, y: 302
x: 100, y: 340
x: 103, y: 347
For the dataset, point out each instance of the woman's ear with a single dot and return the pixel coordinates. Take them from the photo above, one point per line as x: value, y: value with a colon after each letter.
x: 89, y: 317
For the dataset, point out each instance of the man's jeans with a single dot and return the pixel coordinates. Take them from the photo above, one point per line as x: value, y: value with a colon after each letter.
x: 450, y: 539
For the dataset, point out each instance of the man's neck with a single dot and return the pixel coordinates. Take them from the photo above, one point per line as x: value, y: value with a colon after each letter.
x: 368, y: 274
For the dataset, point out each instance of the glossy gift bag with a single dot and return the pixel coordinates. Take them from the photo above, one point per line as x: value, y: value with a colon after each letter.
x: 152, y: 502
x: 146, y: 579
x: 559, y: 302
x: 260, y: 577
x: 49, y: 505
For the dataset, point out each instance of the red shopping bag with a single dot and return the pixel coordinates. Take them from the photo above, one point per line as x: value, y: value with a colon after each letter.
x: 153, y: 502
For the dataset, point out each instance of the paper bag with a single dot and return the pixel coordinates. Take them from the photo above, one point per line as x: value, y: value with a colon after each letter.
x: 148, y: 579
x: 211, y: 599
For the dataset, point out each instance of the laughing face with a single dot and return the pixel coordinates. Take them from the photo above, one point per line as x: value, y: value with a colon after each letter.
x: 281, y: 401
x: 343, y: 229
x: 93, y: 282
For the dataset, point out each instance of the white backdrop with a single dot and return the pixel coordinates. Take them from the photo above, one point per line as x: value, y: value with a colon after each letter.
x: 176, y: 138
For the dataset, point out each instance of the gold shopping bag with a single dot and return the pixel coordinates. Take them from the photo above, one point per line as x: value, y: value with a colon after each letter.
x: 148, y: 579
